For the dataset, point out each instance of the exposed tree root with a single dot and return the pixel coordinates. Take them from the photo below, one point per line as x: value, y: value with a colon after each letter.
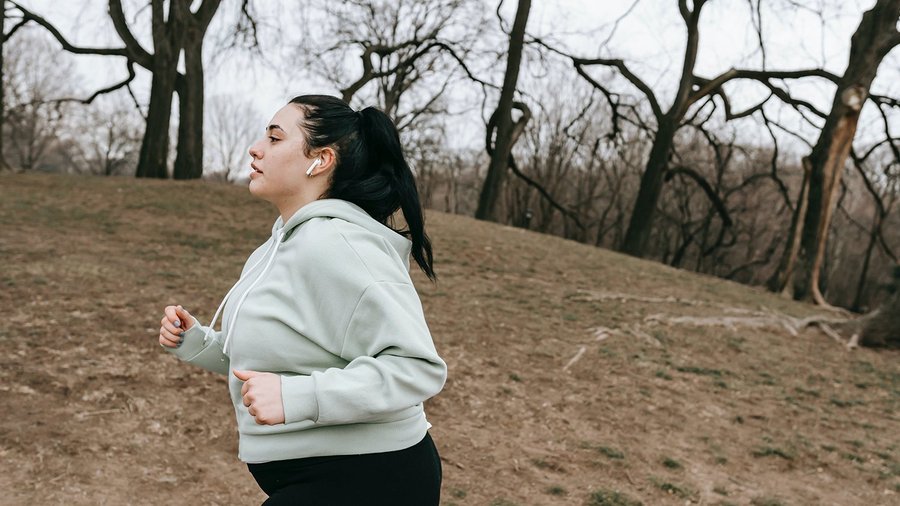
x: 877, y: 328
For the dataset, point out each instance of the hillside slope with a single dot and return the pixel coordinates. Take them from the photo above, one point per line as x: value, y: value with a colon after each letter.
x: 577, y: 375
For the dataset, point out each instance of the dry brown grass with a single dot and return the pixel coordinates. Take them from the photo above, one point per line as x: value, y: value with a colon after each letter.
x: 95, y: 413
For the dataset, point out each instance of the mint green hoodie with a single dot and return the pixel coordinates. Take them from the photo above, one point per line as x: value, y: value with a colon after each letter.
x: 327, y: 303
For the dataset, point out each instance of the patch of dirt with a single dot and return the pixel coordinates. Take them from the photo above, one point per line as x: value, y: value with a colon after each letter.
x: 575, y: 376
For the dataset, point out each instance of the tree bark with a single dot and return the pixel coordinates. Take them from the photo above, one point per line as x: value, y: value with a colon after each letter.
x: 638, y: 234
x: 644, y: 210
x: 153, y: 158
x: 189, y: 156
x: 3, y: 164
x: 167, y: 43
x: 874, y: 38
x: 489, y: 199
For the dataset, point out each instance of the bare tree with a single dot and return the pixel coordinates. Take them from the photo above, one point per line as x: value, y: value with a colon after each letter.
x: 35, y: 74
x: 189, y: 156
x: 410, y: 52
x: 875, y: 37
x: 695, y: 100
x: 173, y: 31
x: 104, y: 138
x: 506, y: 129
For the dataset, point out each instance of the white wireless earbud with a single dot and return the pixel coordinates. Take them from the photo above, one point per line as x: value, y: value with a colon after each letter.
x: 313, y: 166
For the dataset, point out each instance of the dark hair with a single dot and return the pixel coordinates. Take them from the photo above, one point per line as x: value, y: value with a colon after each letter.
x: 370, y: 169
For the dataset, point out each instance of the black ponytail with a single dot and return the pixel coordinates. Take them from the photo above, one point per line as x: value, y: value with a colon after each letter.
x: 371, y: 170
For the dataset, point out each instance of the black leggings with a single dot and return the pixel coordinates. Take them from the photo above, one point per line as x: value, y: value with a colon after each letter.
x: 404, y: 477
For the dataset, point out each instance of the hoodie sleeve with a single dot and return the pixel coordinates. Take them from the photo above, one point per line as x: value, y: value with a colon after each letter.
x: 392, y: 363
x: 201, y: 351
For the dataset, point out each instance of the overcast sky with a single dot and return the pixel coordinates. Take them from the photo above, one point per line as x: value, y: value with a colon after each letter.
x: 650, y: 38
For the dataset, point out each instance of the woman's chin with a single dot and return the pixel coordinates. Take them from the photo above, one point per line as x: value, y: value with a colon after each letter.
x: 255, y: 187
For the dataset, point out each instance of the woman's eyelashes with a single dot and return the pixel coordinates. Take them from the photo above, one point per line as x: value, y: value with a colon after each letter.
x: 273, y: 139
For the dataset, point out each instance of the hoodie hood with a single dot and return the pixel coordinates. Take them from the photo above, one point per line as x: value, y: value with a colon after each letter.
x: 347, y: 211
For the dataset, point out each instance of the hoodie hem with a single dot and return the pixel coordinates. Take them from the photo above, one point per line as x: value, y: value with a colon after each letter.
x: 330, y: 440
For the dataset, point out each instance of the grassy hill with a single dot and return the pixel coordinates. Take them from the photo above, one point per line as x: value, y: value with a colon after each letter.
x: 577, y: 375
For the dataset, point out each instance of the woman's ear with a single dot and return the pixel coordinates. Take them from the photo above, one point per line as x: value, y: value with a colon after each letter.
x: 328, y: 160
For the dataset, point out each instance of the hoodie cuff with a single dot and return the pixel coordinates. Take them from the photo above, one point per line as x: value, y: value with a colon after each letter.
x: 195, y: 341
x: 298, y: 398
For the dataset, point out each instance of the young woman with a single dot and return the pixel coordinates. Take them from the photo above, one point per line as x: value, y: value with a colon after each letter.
x: 323, y: 337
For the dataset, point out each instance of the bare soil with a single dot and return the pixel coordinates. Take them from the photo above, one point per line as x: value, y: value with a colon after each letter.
x: 570, y: 381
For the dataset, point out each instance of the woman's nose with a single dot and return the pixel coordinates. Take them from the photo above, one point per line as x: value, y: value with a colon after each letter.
x: 255, y: 151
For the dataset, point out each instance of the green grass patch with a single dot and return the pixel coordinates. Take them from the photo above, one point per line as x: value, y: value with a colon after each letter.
x: 702, y: 371
x: 672, y: 488
x: 852, y: 457
x: 610, y: 452
x: 770, y: 451
x: 808, y: 392
x: 766, y: 501
x: 603, y: 497
x: 556, y: 490
x: 841, y: 403
x: 671, y: 463
x: 767, y: 379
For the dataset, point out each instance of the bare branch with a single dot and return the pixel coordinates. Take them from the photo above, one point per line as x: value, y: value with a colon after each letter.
x: 518, y: 129
x: 30, y: 16
x: 103, y: 91
x: 619, y: 64
x: 134, y: 48
x: 617, y: 21
x: 4, y: 37
x: 707, y: 86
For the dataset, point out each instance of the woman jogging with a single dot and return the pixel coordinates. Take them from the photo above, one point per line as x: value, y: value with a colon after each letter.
x: 323, y: 337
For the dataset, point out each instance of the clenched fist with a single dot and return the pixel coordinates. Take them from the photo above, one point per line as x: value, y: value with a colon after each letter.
x: 262, y: 396
x: 174, y: 323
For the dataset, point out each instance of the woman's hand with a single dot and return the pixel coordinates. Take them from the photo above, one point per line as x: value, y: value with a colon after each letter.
x: 262, y: 396
x: 174, y: 322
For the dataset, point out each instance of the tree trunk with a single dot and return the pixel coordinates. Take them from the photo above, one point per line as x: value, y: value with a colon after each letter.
x: 167, y: 42
x: 153, y: 158
x: 493, y: 184
x: 641, y: 223
x: 652, y: 181
x: 3, y: 164
x: 781, y: 278
x: 873, y: 39
x: 189, y: 157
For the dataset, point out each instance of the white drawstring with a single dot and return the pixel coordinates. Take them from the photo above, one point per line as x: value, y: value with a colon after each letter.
x: 212, y: 324
x: 247, y: 291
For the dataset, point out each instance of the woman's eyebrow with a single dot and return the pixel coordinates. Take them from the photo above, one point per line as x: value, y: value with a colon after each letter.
x: 275, y: 127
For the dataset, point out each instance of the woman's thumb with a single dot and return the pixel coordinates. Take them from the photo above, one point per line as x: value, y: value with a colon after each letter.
x: 182, y: 313
x: 243, y: 375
